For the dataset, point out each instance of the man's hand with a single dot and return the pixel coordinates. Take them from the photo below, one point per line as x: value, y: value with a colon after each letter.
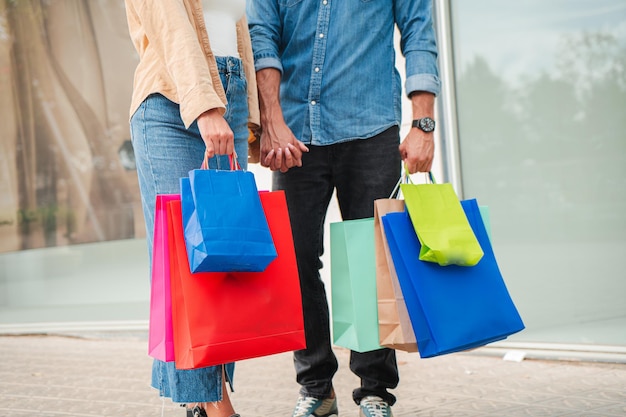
x: 417, y: 151
x: 280, y: 149
x: 216, y: 133
x: 418, y: 147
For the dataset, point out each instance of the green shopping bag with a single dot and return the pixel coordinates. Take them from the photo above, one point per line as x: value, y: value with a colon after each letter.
x: 353, y: 285
x: 441, y: 225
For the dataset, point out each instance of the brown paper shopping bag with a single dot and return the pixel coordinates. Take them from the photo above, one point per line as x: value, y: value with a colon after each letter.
x: 394, y: 326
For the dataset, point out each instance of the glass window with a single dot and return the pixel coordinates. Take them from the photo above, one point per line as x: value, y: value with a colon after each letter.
x: 68, y: 173
x: 69, y: 200
x: 541, y: 95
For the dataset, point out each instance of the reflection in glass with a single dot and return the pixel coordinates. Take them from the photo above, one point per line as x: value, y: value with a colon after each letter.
x: 541, y: 103
x: 66, y: 74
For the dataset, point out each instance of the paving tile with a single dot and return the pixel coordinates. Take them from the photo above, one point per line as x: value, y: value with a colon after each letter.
x: 51, y: 376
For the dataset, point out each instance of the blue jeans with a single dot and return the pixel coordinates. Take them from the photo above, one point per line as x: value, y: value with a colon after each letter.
x: 164, y: 152
x: 361, y: 171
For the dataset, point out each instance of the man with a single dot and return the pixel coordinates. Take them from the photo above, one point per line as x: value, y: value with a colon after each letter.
x: 330, y: 99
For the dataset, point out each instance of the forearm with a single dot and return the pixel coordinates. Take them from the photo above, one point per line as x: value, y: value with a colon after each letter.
x: 422, y: 104
x: 268, y: 84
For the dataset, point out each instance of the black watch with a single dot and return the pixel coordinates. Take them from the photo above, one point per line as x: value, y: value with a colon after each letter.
x: 426, y: 124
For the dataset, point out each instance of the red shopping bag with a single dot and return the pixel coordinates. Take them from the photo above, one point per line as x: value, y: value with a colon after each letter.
x: 160, y: 338
x: 222, y: 317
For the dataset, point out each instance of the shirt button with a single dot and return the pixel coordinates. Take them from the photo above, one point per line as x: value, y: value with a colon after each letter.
x: 321, y: 35
x: 317, y: 69
x: 325, y: 2
x: 313, y: 103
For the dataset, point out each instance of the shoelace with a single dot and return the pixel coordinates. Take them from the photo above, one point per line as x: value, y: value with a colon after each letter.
x: 304, y: 403
x: 375, y: 407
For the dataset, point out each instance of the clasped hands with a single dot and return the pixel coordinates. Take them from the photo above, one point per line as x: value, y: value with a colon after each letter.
x: 280, y: 149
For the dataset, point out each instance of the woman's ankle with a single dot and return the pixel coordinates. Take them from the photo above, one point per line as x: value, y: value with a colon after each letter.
x: 219, y: 409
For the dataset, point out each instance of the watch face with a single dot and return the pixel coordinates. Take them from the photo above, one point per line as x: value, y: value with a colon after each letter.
x: 427, y: 124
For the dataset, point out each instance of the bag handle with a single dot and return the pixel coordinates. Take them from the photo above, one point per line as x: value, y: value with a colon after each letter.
x: 232, y: 160
x: 405, y: 177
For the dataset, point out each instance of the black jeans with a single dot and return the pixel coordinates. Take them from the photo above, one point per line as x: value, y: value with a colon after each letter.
x: 361, y: 171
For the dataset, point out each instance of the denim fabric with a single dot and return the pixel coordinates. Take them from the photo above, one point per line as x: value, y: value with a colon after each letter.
x: 337, y: 57
x: 360, y: 171
x: 164, y: 152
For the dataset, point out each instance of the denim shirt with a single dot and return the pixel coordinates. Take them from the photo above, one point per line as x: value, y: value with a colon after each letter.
x: 337, y: 58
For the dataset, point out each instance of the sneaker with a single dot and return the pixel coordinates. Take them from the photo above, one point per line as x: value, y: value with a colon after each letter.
x: 315, y: 407
x: 374, y: 407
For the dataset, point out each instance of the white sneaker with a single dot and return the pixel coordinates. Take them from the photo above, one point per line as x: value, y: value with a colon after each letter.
x: 315, y: 407
x: 374, y: 407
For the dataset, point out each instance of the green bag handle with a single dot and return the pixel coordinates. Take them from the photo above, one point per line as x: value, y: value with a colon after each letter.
x: 405, y: 177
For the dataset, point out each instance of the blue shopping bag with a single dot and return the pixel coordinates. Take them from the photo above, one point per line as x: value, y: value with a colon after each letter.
x: 224, y: 224
x: 452, y: 308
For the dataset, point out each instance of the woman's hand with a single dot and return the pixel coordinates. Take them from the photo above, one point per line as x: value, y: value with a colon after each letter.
x: 216, y: 133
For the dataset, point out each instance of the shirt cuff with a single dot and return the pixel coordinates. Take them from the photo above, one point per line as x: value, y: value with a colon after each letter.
x: 268, y: 62
x: 423, y: 82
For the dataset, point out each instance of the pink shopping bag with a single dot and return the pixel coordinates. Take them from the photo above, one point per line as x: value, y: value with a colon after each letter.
x: 160, y: 330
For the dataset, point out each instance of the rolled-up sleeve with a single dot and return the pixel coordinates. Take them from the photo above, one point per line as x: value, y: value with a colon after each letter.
x: 264, y: 24
x: 418, y: 45
x: 422, y: 73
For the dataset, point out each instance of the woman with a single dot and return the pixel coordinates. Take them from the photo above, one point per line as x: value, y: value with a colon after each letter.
x: 194, y: 93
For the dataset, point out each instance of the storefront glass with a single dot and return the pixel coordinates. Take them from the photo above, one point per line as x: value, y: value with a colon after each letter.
x: 69, y: 202
x: 541, y: 99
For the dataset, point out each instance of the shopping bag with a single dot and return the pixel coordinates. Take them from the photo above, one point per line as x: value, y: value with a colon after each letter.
x: 394, y: 325
x: 221, y: 317
x: 224, y: 223
x: 442, y: 228
x: 452, y: 308
x: 485, y: 214
x: 353, y: 285
x: 160, y: 338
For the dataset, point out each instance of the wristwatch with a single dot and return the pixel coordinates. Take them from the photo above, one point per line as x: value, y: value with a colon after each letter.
x: 426, y: 124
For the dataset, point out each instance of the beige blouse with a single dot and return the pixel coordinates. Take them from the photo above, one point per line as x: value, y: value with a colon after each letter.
x: 176, y: 59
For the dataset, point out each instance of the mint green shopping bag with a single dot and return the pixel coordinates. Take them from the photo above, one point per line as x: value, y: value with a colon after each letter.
x: 486, y: 216
x: 441, y: 225
x: 353, y: 285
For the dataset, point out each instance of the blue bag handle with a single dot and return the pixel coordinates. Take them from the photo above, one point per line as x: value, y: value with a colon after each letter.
x: 232, y: 159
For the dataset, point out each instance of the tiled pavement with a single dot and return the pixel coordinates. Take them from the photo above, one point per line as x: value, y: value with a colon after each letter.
x: 48, y: 376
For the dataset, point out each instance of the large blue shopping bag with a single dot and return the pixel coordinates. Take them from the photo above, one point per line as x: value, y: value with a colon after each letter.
x: 452, y: 308
x: 224, y: 224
